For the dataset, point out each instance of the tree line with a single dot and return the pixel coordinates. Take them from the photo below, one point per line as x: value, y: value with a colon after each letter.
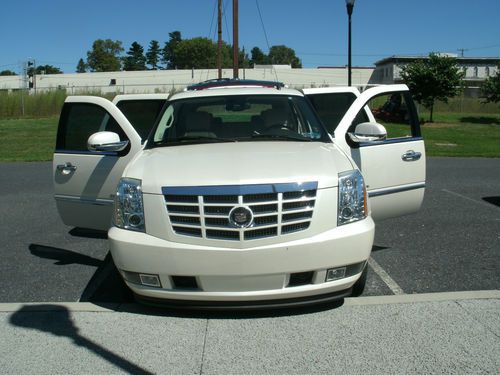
x: 177, y: 53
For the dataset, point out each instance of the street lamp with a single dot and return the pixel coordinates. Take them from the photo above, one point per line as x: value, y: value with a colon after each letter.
x: 350, y: 5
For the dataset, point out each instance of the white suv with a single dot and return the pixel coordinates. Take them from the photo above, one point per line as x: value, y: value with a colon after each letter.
x: 239, y: 196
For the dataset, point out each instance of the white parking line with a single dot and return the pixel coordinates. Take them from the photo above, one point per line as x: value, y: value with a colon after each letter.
x: 389, y: 281
x: 469, y: 199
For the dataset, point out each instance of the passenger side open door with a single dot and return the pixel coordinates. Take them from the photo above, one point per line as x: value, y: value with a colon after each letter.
x: 85, y: 178
x: 393, y: 164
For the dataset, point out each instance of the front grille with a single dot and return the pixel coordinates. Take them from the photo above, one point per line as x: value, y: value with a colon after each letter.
x: 204, y: 212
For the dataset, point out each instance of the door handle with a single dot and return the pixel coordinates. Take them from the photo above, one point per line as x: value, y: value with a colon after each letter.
x: 411, y: 155
x: 66, y: 168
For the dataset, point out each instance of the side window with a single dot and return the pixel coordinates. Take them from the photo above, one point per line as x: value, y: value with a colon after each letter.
x: 79, y: 121
x: 332, y: 107
x: 142, y: 114
x: 397, y: 113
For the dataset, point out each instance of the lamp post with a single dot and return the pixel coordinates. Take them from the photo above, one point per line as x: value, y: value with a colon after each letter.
x: 350, y: 5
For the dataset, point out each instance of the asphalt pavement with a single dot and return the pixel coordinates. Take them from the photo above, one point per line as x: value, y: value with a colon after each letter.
x: 452, y: 244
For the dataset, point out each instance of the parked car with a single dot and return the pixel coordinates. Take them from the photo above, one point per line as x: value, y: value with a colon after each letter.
x: 239, y: 196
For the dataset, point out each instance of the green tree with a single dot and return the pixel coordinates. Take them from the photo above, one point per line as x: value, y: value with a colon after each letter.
x: 258, y: 57
x: 104, y: 56
x: 153, y: 55
x: 43, y: 69
x: 135, y: 59
x: 7, y: 73
x: 48, y: 69
x: 490, y: 90
x: 432, y: 79
x: 201, y: 53
x: 284, y: 55
x: 81, y: 67
x: 197, y: 53
x: 168, y: 52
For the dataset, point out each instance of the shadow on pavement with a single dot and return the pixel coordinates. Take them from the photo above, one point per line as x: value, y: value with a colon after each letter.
x: 62, y: 256
x: 88, y: 233
x: 378, y: 248
x: 106, y: 285
x: 493, y: 200
x: 55, y: 320
x: 137, y: 308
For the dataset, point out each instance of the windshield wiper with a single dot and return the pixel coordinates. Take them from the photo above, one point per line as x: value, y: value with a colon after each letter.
x: 195, y: 139
x: 278, y: 137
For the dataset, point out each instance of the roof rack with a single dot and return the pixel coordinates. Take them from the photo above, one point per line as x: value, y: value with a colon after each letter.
x: 233, y: 82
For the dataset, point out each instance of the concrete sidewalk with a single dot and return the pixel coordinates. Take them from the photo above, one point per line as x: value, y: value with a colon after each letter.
x: 441, y: 333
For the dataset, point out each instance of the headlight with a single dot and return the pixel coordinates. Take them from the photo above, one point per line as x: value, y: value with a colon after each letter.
x: 129, y: 209
x: 352, y: 198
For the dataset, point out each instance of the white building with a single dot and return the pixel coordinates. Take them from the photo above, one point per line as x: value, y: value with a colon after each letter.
x: 477, y: 69
x: 166, y: 80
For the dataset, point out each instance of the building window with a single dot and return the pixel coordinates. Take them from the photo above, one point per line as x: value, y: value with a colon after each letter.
x: 487, y: 71
x: 475, y: 71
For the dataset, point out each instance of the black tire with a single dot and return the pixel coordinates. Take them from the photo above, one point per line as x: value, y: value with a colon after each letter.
x: 359, y: 286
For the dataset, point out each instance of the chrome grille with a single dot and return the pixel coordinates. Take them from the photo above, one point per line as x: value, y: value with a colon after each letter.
x: 278, y: 209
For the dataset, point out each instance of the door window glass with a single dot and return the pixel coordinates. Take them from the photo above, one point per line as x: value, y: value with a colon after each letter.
x: 79, y: 121
x: 396, y: 112
x: 332, y: 107
x: 141, y: 114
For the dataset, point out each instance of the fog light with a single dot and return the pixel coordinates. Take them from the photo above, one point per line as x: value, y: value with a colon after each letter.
x: 335, y: 273
x: 150, y: 280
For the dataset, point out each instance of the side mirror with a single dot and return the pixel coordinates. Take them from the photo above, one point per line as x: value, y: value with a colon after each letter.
x: 368, y: 132
x: 106, y: 141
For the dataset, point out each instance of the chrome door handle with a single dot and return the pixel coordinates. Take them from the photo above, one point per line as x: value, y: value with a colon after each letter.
x: 411, y: 155
x: 66, y: 168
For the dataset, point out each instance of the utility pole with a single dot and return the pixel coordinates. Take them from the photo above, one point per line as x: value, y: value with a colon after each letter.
x: 235, y: 39
x: 462, y: 50
x: 350, y: 6
x: 219, y: 39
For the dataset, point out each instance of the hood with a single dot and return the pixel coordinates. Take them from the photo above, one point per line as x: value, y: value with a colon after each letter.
x: 239, y: 163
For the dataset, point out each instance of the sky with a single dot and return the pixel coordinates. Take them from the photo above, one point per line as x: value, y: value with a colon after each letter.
x: 60, y: 32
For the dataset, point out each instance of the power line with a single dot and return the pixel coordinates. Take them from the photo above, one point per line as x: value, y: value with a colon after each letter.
x: 225, y: 19
x: 483, y: 47
x: 212, y: 21
x: 265, y: 35
x: 262, y: 23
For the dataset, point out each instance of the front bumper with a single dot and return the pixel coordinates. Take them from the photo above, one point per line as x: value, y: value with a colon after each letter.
x: 241, y: 277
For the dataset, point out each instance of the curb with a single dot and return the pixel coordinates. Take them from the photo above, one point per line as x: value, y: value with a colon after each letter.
x: 423, y: 297
x: 357, y: 301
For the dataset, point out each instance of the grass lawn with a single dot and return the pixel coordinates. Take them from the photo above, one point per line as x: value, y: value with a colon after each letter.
x: 452, y: 134
x: 28, y: 139
x: 458, y: 134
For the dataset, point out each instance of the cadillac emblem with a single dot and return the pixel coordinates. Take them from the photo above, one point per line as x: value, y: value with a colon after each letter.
x: 241, y: 217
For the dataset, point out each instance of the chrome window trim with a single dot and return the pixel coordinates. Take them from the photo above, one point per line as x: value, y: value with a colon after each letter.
x: 391, y: 141
x: 94, y: 202
x: 394, y: 190
x: 82, y: 152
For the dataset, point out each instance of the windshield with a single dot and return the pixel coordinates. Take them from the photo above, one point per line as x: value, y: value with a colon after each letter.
x: 234, y: 118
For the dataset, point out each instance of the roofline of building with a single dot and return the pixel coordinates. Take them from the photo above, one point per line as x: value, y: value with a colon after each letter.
x: 407, y: 58
x: 345, y: 67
